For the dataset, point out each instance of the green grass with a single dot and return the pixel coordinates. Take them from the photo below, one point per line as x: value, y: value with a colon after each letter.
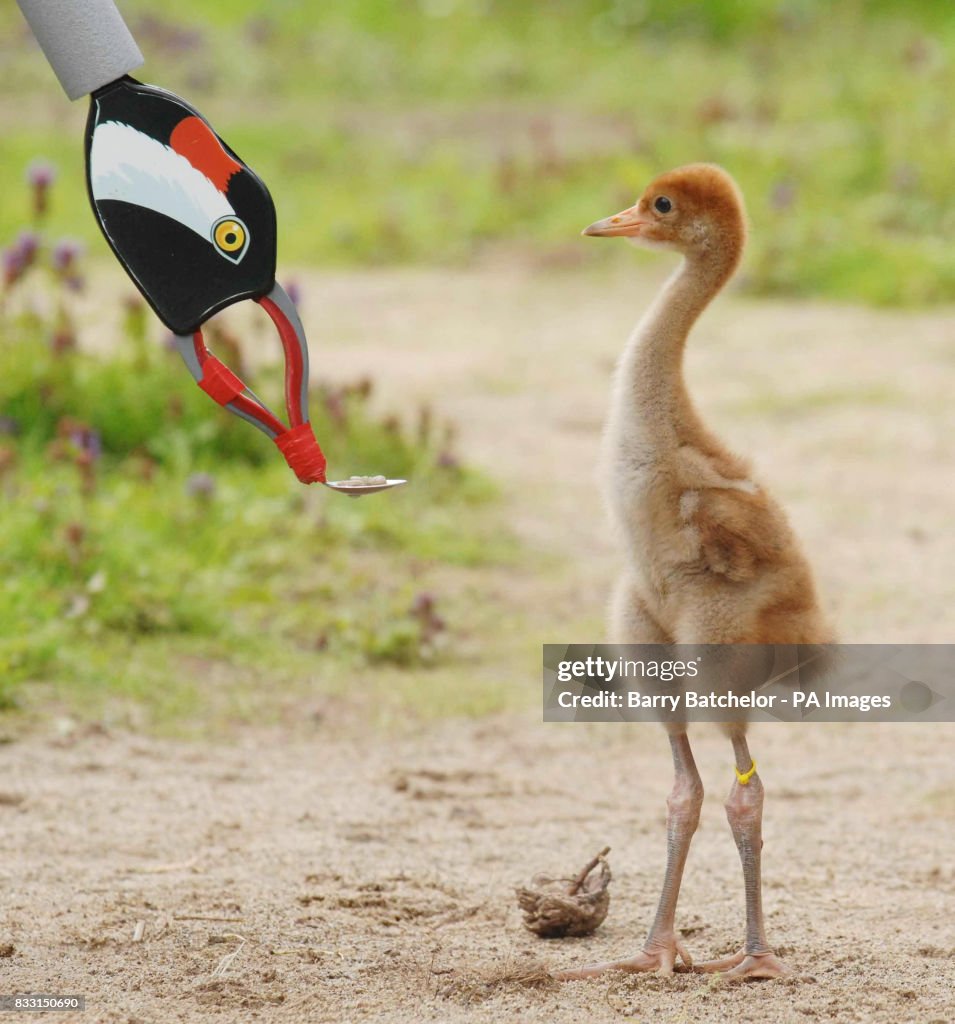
x: 129, y: 592
x: 427, y: 131
x: 133, y: 590
x: 158, y: 557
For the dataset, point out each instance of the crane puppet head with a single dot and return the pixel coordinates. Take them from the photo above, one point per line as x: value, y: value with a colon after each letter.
x: 192, y: 224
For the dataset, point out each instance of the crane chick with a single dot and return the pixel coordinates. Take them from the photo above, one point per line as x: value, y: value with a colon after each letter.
x: 709, y: 557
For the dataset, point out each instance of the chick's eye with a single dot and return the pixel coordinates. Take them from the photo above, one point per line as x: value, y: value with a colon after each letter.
x: 230, y: 236
x: 662, y: 205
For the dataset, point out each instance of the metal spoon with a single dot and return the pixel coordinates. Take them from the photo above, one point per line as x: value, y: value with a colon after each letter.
x: 358, y: 489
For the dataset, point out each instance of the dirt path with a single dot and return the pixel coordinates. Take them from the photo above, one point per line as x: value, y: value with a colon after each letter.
x: 369, y: 877
x: 847, y: 414
x: 373, y: 880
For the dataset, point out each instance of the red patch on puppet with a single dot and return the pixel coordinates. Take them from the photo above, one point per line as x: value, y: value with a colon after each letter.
x: 198, y: 143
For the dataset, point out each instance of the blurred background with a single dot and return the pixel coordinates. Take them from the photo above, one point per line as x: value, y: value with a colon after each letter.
x: 434, y: 131
x: 157, y: 558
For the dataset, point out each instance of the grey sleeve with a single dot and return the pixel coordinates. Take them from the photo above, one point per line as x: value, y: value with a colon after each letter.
x: 86, y: 42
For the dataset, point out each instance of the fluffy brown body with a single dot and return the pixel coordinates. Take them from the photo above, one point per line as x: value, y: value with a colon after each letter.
x: 710, y: 556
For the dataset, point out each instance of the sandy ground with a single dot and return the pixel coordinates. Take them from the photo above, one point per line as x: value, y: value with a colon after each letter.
x: 350, y: 876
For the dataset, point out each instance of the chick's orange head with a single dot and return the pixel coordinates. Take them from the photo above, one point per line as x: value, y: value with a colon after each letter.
x: 691, y: 209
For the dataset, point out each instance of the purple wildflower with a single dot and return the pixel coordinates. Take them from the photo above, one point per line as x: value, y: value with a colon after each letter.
x: 424, y: 609
x: 64, y: 258
x: 201, y: 486
x: 294, y: 291
x: 40, y: 176
x: 64, y: 338
x: 19, y: 257
x: 260, y: 30
x: 27, y: 244
x: 13, y: 265
x: 88, y: 442
x: 783, y: 194
x: 93, y: 444
x: 65, y: 254
x: 423, y: 603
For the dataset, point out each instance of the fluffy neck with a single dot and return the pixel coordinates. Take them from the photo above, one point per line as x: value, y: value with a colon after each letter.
x: 652, y: 406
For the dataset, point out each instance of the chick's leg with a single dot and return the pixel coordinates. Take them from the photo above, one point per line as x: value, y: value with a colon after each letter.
x: 744, y: 811
x: 660, y: 951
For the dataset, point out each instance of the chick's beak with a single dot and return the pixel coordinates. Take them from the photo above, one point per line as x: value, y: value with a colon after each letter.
x: 627, y: 222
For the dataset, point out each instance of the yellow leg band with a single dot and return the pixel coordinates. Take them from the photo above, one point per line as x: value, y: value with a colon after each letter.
x: 743, y: 777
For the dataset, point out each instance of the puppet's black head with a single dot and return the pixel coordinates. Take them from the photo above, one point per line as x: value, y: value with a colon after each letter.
x: 191, y: 223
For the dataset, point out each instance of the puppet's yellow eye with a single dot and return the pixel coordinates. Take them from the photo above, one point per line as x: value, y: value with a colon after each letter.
x: 230, y: 236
